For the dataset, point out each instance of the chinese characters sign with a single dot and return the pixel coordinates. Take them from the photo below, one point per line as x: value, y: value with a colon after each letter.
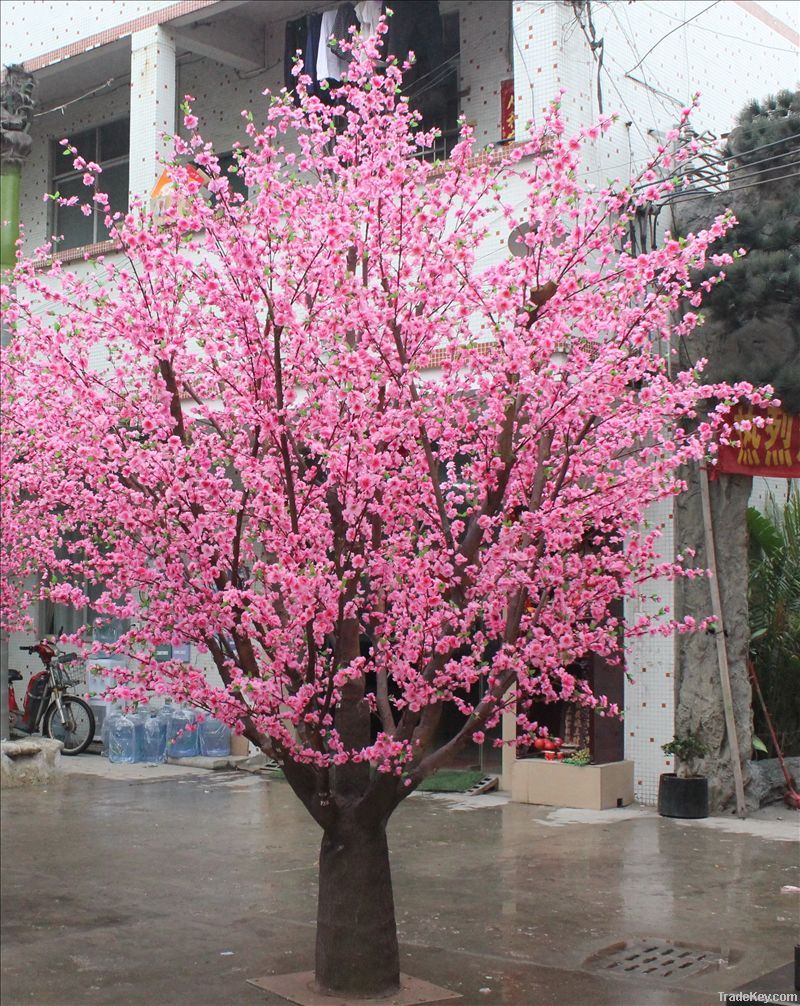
x: 771, y: 450
x: 507, y: 119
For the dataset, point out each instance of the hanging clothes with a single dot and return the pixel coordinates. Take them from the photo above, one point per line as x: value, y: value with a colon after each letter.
x: 329, y: 66
x: 313, y: 33
x: 368, y: 13
x: 416, y: 26
x: 345, y: 21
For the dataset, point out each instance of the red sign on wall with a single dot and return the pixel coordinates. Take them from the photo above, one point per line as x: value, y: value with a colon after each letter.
x: 507, y: 120
x: 772, y: 450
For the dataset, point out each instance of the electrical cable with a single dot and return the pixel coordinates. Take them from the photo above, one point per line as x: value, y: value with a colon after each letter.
x: 631, y: 40
x: 122, y: 81
x: 720, y: 158
x: 525, y: 67
x: 625, y: 105
x: 722, y: 34
x: 82, y: 97
x: 690, y: 172
x: 596, y: 45
x: 695, y: 193
x: 672, y: 31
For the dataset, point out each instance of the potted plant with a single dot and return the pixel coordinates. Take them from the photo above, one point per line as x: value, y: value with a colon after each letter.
x: 683, y: 793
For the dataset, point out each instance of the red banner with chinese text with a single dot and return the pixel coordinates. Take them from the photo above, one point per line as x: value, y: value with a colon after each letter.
x: 771, y: 451
x: 507, y: 118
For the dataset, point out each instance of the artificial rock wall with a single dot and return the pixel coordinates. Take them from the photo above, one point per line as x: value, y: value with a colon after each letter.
x: 699, y: 708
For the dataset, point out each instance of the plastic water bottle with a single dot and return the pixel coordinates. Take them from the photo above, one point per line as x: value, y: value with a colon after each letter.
x: 139, y: 719
x: 122, y: 739
x: 213, y: 738
x: 181, y: 741
x: 154, y: 739
x: 112, y: 712
x: 165, y: 713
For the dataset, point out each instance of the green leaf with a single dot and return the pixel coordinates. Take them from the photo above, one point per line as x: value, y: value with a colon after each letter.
x: 763, y: 533
x: 759, y: 745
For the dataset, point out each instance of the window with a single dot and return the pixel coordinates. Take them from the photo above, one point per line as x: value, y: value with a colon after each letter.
x: 57, y: 618
x: 109, y: 147
x: 432, y: 88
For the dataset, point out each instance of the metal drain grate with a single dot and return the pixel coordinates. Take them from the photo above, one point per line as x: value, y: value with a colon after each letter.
x: 656, y: 959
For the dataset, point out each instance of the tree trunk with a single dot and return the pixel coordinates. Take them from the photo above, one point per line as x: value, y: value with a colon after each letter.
x: 357, y: 951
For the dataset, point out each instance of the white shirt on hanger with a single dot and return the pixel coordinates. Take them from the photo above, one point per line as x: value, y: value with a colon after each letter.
x: 368, y: 13
x: 329, y: 66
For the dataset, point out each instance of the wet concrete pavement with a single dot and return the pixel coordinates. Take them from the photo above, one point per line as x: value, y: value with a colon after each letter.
x: 173, y: 886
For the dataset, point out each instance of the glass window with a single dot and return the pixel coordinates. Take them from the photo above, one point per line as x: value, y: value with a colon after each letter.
x: 86, y: 142
x: 108, y: 146
x: 114, y: 140
x: 114, y: 182
x: 432, y: 88
x: 77, y: 229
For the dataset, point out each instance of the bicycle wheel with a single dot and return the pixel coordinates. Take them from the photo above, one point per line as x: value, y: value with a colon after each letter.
x: 76, y: 733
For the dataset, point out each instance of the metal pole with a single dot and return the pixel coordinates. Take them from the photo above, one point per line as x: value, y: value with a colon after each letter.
x: 722, y: 650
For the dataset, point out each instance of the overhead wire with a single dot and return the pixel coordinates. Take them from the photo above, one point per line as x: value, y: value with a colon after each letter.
x: 695, y: 193
x: 761, y: 146
x: 82, y: 97
x: 525, y: 67
x: 745, y: 171
x: 596, y: 45
x: 672, y: 31
x: 772, y: 143
x: 722, y: 34
x: 631, y: 40
x: 741, y: 175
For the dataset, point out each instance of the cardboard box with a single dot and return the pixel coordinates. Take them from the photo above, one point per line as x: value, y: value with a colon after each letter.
x: 587, y: 787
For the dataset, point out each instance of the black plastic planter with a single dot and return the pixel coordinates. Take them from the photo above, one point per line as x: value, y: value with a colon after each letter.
x: 682, y: 797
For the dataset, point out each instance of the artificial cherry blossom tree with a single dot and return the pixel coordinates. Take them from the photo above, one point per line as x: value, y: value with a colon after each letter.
x: 230, y: 434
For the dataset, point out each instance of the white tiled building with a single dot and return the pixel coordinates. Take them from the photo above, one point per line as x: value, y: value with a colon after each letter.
x: 115, y: 73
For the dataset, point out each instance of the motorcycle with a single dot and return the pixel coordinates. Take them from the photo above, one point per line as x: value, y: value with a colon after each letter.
x: 62, y: 716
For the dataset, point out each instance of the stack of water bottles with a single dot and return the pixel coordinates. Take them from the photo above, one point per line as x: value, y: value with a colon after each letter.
x: 171, y: 732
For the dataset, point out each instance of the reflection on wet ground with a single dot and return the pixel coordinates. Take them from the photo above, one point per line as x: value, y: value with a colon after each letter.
x: 176, y: 887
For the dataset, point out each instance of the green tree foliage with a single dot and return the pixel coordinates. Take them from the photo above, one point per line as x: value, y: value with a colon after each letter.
x: 759, y: 305
x: 774, y: 597
x: 773, y: 121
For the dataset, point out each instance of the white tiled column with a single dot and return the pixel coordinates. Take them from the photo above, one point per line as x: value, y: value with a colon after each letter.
x: 536, y: 30
x: 650, y: 662
x: 152, y: 106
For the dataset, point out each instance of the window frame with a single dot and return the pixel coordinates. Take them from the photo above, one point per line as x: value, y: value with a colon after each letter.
x: 56, y: 218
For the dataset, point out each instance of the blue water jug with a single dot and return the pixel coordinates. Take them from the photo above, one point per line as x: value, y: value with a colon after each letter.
x: 122, y: 739
x: 154, y: 739
x: 139, y: 719
x: 165, y: 713
x: 112, y: 712
x: 213, y: 738
x: 181, y: 734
